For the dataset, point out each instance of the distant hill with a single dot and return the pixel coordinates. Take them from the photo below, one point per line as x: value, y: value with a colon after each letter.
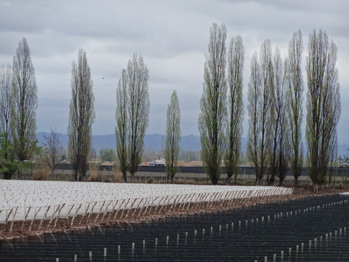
x: 98, y: 141
x: 152, y: 142
x: 155, y: 142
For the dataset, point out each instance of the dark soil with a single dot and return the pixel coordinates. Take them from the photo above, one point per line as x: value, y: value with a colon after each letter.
x: 299, y: 227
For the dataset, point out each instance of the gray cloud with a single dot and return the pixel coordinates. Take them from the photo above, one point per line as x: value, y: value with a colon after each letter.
x: 172, y: 36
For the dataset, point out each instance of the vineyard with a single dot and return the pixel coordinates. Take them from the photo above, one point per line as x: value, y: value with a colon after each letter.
x: 308, y: 229
x: 66, y: 221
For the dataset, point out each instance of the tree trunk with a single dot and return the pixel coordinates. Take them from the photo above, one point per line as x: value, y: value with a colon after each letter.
x: 295, y: 182
x: 315, y: 188
x: 229, y: 180
x: 124, y: 176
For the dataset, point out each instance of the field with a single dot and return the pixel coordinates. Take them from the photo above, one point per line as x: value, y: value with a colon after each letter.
x: 306, y: 229
x: 27, y: 200
x: 149, y: 222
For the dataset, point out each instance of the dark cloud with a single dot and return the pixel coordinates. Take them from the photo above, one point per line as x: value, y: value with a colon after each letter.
x: 172, y: 36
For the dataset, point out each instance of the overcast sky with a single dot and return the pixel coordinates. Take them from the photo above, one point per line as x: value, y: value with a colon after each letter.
x: 172, y: 36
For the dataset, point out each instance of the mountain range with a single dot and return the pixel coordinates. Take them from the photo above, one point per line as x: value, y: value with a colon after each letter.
x: 152, y: 142
x: 156, y: 142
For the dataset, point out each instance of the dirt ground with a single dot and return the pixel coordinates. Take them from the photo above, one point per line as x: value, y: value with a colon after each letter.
x: 89, y: 221
x: 304, y: 192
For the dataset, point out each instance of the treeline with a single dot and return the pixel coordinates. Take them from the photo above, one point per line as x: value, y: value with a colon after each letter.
x: 275, y: 107
x: 275, y: 92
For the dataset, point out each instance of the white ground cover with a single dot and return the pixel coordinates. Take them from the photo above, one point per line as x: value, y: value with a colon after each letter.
x: 24, y: 200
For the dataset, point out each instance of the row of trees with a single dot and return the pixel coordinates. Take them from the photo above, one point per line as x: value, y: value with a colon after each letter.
x: 275, y: 108
x: 18, y: 104
x: 220, y: 135
x: 132, y: 114
x: 275, y: 102
x: 132, y: 117
x: 275, y: 111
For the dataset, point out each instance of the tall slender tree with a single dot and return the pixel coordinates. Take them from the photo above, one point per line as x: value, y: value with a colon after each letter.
x: 279, y: 151
x: 284, y: 147
x: 236, y: 55
x: 266, y: 110
x: 274, y: 117
x: 81, y: 116
x: 8, y: 163
x: 25, y: 103
x: 173, y: 136
x: 138, y: 110
x: 212, y: 119
x: 121, y: 129
x: 295, y: 96
x: 323, y: 105
x: 259, y: 96
x: 254, y: 103
x: 6, y: 101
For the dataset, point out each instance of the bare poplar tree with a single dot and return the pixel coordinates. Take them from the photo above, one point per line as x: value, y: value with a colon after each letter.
x: 323, y: 105
x: 235, y: 106
x: 254, y: 103
x: 138, y: 110
x: 274, y: 117
x: 173, y: 136
x: 52, y: 150
x: 212, y: 119
x: 295, y: 97
x: 121, y: 129
x: 284, y: 142
x: 6, y: 101
x: 25, y: 103
x: 81, y: 116
x: 279, y: 124
x: 259, y: 97
x: 267, y: 108
x: 8, y: 163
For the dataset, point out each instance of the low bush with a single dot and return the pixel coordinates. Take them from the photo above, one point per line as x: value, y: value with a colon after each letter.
x: 93, y: 170
x: 117, y: 174
x: 42, y: 172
